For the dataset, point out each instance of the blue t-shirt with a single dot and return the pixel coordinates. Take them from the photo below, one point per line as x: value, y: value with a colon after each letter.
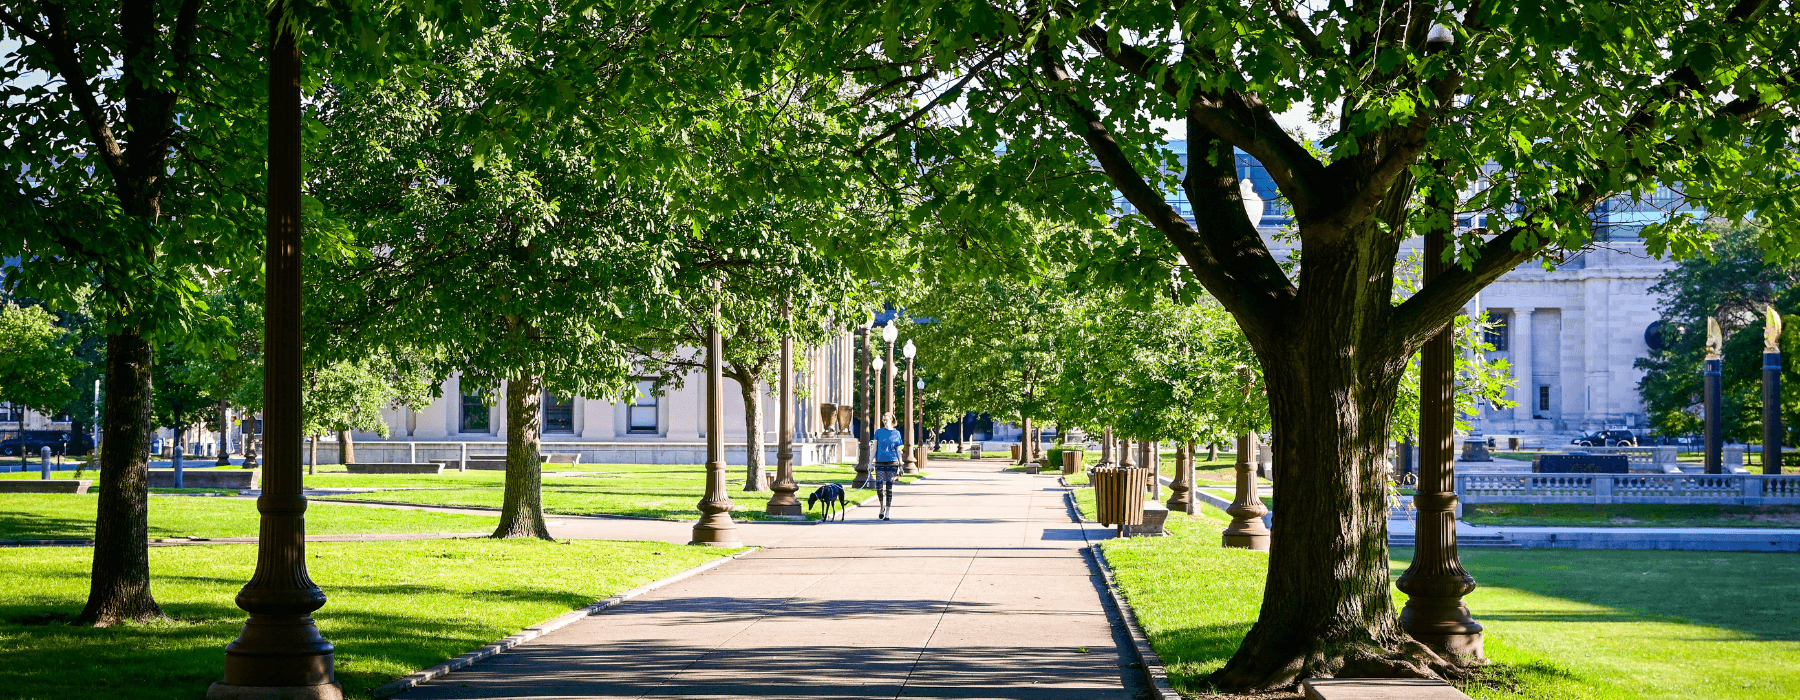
x: 887, y: 445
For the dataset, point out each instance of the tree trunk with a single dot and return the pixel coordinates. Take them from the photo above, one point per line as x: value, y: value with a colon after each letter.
x: 347, y: 446
x: 755, y: 477
x: 312, y: 455
x: 119, y: 589
x: 1212, y: 452
x: 1327, y: 610
x: 224, y: 459
x: 1025, y: 443
x: 522, y: 509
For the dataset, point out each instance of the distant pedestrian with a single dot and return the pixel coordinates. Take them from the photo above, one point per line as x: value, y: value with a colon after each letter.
x: 887, y: 462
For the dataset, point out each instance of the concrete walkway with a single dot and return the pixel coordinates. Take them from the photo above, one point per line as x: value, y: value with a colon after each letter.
x: 978, y: 588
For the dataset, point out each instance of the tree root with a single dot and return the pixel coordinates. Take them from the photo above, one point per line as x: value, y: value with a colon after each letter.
x: 1254, y: 671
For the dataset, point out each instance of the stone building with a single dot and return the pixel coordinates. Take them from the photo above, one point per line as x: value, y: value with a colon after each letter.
x: 660, y: 427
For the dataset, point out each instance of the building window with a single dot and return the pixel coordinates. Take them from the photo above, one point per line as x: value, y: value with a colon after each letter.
x: 7, y: 414
x: 1496, y: 332
x: 641, y: 416
x: 1543, y: 399
x: 474, y: 414
x: 559, y: 414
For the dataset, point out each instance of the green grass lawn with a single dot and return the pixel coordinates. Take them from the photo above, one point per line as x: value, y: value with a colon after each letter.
x: 32, y: 516
x: 1561, y: 624
x: 1630, y: 515
x: 395, y: 607
x: 644, y: 490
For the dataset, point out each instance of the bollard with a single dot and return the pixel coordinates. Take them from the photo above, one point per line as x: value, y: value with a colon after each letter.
x: 43, y: 460
x: 464, y: 464
x: 177, y: 466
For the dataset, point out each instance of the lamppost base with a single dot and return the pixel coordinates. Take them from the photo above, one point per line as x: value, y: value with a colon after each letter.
x: 1252, y: 540
x: 1459, y: 648
x: 785, y: 510
x: 222, y: 691
x: 716, y: 535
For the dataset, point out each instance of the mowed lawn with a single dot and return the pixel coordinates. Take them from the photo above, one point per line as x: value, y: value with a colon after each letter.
x: 1611, y: 624
x: 395, y: 607
x: 643, y: 490
x: 33, y: 516
x: 1630, y: 515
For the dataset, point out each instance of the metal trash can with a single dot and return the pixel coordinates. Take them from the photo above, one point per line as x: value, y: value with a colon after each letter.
x: 1119, y: 495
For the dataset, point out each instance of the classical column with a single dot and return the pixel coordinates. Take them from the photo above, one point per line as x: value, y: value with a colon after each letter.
x: 1246, y: 530
x: 280, y: 653
x: 715, y: 527
x: 1181, y: 499
x: 1519, y: 345
x: 783, y: 502
x: 864, y: 399
x: 1715, y: 430
x: 1771, y: 434
x: 911, y: 464
x: 1436, y: 581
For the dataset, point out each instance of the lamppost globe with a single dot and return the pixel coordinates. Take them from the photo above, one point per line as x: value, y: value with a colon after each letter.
x: 920, y: 383
x: 891, y: 331
x: 909, y: 349
x: 1253, y: 203
x: 878, y: 364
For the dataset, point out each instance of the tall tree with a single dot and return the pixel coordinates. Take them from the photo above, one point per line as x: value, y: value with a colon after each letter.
x: 1535, y: 113
x: 133, y: 166
x: 512, y: 267
x: 37, y: 360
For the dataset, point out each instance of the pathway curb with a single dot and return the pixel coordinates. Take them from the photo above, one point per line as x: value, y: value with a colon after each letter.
x: 1147, y: 657
x: 538, y: 630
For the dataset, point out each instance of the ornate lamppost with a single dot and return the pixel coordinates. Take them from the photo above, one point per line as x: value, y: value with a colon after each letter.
x: 1436, y: 580
x: 865, y: 399
x: 1180, y: 498
x: 1713, y: 398
x: 912, y: 466
x: 1771, y: 437
x: 890, y: 333
x: 280, y: 653
x: 715, y: 527
x: 783, y: 503
x: 924, y: 447
x: 1246, y: 510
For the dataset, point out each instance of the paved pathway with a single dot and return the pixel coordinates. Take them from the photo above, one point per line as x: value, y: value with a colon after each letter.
x: 978, y: 588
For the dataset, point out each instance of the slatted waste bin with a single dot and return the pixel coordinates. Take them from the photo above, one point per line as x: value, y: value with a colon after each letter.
x: 1119, y: 495
x: 1071, y: 460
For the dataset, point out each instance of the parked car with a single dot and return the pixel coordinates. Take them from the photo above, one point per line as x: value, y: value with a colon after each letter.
x: 1607, y: 438
x: 57, y: 440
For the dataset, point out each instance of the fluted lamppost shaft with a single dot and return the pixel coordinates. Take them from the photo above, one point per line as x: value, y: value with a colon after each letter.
x: 891, y: 368
x: 280, y: 653
x: 1436, y: 581
x: 865, y: 399
x: 912, y: 462
x: 783, y: 502
x: 1180, y: 497
x: 715, y: 527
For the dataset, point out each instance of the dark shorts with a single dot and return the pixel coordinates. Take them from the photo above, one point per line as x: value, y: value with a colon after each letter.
x: 887, y: 471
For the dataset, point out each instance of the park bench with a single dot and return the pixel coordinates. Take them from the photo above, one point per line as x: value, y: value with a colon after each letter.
x: 395, y: 468
x: 45, y: 485
x: 206, y: 478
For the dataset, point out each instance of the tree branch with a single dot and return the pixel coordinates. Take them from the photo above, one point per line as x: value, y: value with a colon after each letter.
x: 61, y: 47
x: 931, y: 104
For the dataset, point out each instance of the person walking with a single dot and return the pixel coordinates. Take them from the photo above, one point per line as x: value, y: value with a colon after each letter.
x: 887, y: 461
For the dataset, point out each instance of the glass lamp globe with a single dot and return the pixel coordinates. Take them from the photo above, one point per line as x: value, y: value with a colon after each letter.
x: 909, y: 350
x: 921, y: 384
x: 878, y: 364
x: 890, y: 331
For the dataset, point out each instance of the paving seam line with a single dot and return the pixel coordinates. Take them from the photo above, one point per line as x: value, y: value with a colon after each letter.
x: 543, y: 628
x: 1146, y: 656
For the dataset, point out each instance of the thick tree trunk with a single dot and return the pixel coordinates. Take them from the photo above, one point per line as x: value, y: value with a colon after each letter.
x: 1212, y: 452
x: 119, y: 589
x: 755, y: 476
x: 224, y: 459
x: 1327, y: 610
x: 522, y: 508
x: 347, y: 447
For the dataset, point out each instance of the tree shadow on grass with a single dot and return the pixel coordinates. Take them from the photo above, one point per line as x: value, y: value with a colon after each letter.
x: 27, y: 525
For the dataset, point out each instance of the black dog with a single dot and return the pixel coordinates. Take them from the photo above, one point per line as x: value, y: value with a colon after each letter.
x: 829, y: 493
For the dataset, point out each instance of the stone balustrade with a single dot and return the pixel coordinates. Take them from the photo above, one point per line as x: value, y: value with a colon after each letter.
x: 1716, y: 489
